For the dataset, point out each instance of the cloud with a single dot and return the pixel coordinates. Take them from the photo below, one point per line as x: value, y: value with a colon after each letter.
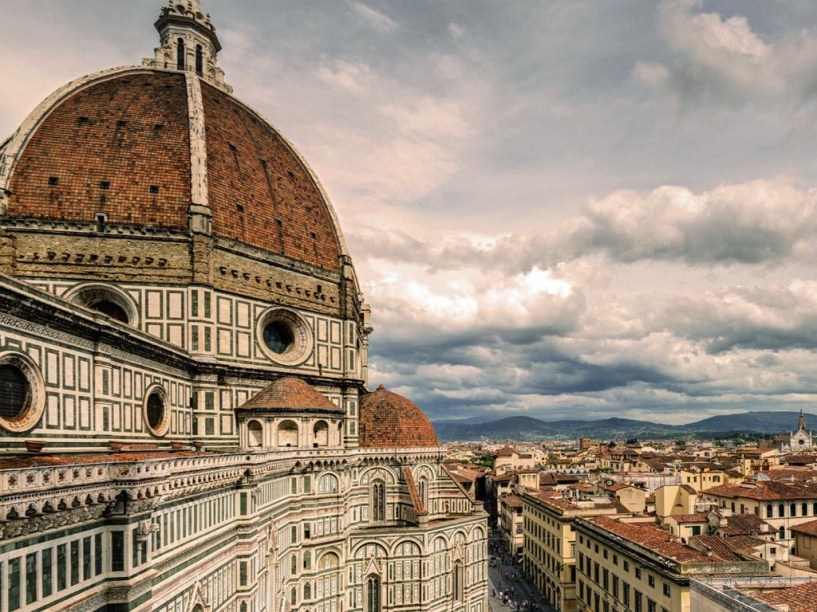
x: 429, y: 117
x: 456, y: 31
x: 726, y: 60
x: 756, y: 222
x: 355, y: 77
x: 374, y: 19
x: 761, y: 222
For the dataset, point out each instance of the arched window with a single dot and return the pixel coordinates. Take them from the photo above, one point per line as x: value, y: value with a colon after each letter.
x: 793, y: 509
x: 288, y: 434
x: 199, y: 60
x: 769, y: 511
x: 293, y: 596
x: 255, y: 434
x: 457, y: 582
x: 781, y: 510
x: 782, y: 533
x: 307, y: 560
x: 373, y: 594
x: 320, y: 434
x: 422, y: 489
x: 804, y: 508
x: 180, y: 53
x: 379, y: 501
x: 307, y: 591
x: 328, y: 484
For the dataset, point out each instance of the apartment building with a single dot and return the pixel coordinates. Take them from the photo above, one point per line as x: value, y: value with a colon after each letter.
x: 633, y: 565
x: 549, y: 542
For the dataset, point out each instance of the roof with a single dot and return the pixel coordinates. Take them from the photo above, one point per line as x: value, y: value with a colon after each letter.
x: 689, y: 518
x: 809, y: 528
x: 652, y: 537
x: 123, y: 143
x: 766, y: 490
x: 47, y: 460
x: 743, y: 524
x: 290, y: 394
x: 799, y: 598
x: 388, y: 420
x: 716, y: 545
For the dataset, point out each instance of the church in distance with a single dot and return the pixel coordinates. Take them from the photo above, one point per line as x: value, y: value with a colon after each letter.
x: 185, y: 421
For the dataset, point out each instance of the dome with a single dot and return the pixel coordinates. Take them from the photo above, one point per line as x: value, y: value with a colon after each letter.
x: 290, y: 394
x: 149, y: 147
x: 388, y: 420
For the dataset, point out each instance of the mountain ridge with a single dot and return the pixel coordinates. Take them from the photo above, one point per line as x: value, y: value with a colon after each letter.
x: 526, y: 428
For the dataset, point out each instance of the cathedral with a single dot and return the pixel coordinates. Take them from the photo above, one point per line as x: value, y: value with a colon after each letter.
x: 185, y: 418
x: 800, y: 441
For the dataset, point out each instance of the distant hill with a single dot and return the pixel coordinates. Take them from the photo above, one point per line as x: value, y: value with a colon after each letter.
x: 529, y: 429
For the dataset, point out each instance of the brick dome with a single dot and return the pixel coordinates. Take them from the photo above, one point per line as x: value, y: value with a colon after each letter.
x: 388, y: 420
x: 145, y: 147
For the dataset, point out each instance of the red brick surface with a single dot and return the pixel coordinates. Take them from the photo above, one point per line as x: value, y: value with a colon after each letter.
x: 271, y: 204
x: 290, y: 393
x: 117, y: 142
x: 388, y: 420
x: 260, y: 192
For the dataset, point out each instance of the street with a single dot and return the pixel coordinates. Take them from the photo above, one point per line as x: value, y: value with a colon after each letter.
x: 507, y: 579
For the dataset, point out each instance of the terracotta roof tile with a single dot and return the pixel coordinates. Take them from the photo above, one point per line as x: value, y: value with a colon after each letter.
x: 388, y: 420
x: 809, y: 528
x: 290, y: 394
x: 652, y: 537
x: 799, y: 598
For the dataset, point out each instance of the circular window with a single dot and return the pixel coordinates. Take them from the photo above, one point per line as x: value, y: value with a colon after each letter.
x: 284, y: 336
x: 156, y: 414
x: 278, y: 337
x: 22, y: 392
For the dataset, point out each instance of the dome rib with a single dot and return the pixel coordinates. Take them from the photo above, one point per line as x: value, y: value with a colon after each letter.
x: 261, y: 191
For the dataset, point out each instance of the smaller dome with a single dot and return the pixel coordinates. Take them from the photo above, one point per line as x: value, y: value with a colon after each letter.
x: 290, y: 394
x: 388, y: 420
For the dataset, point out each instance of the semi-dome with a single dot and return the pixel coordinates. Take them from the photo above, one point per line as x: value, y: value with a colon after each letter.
x: 142, y: 145
x: 290, y: 394
x: 389, y: 420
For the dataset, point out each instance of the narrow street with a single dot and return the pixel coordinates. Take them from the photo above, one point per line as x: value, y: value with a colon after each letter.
x: 506, y: 580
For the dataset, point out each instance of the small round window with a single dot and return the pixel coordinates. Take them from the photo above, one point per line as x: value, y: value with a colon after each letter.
x: 156, y: 414
x: 14, y: 392
x: 278, y: 337
x: 284, y: 336
x: 22, y: 392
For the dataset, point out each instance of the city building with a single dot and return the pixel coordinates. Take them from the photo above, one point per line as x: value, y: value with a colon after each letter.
x: 549, y: 558
x: 185, y: 423
x: 783, y: 505
x: 634, y: 565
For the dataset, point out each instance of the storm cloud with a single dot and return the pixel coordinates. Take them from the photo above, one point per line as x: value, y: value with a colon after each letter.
x: 554, y: 208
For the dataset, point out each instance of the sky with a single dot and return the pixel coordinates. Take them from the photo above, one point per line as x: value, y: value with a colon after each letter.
x: 557, y: 209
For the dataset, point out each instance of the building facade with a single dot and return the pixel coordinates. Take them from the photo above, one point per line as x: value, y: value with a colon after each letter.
x: 550, y: 543
x: 185, y: 423
x: 634, y: 566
